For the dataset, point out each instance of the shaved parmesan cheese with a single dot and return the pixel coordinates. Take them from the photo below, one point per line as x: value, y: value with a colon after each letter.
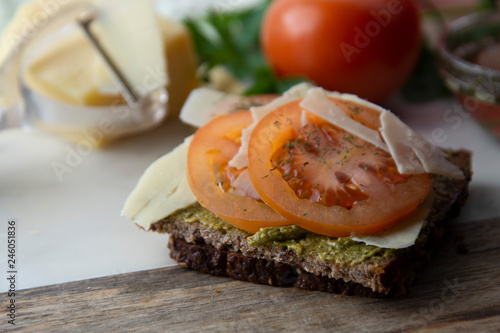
x: 317, y: 102
x: 240, y: 160
x: 413, y: 153
x: 404, y: 233
x: 242, y: 186
x: 303, y: 119
x: 204, y: 104
x: 355, y: 99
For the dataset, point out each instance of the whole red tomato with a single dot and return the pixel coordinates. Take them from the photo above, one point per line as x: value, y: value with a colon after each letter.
x: 364, y: 47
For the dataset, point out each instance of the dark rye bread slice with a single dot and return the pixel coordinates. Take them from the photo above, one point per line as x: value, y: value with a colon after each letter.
x: 226, y: 252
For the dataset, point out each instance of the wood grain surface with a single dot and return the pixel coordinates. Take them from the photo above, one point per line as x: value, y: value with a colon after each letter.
x: 458, y: 291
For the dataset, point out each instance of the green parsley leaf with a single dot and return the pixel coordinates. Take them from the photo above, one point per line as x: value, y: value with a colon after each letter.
x: 232, y: 39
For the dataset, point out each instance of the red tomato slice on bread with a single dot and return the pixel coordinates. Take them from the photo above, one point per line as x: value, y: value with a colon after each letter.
x: 324, y: 179
x: 223, y: 190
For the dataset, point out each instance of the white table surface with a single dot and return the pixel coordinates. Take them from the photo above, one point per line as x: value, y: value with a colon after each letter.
x: 72, y: 230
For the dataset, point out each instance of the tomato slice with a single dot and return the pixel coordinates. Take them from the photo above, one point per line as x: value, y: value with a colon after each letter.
x: 223, y: 190
x: 326, y: 180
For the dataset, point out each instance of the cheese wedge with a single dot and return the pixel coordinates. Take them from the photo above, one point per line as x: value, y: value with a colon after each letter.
x: 71, y: 72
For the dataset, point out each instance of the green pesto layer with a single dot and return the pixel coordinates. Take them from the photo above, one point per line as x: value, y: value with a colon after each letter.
x: 343, y: 251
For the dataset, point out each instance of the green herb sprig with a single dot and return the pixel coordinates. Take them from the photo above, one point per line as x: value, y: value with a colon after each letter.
x: 232, y: 39
x: 488, y: 4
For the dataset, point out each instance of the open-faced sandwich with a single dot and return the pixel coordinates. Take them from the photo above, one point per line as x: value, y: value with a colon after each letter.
x: 314, y: 189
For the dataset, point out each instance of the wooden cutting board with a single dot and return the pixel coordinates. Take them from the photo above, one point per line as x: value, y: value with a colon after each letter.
x: 459, y: 290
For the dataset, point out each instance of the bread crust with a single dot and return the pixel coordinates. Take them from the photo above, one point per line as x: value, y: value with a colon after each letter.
x: 227, y: 253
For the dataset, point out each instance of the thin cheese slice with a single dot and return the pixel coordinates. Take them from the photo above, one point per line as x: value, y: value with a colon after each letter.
x: 242, y: 186
x: 404, y: 233
x: 413, y: 153
x: 204, y: 104
x: 240, y: 160
x: 317, y: 102
x: 162, y: 189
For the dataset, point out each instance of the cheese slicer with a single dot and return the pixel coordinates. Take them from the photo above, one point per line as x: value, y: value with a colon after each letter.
x: 21, y: 106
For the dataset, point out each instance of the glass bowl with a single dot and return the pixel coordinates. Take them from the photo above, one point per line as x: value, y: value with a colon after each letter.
x: 469, y: 55
x: 22, y: 105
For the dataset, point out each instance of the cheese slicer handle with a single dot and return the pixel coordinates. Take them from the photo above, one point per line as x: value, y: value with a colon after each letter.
x: 119, y: 79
